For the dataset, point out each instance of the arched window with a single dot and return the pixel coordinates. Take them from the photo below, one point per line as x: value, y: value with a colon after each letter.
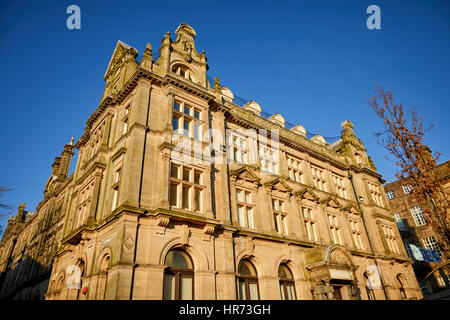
x: 287, y: 289
x: 369, y: 287
x: 183, y: 71
x: 178, y: 276
x: 401, y: 287
x: 247, y: 281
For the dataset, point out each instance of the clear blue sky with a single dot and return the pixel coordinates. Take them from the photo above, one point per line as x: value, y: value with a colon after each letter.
x: 315, y: 62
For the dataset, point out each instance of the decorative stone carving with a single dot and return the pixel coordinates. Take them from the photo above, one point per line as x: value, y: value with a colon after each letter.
x: 184, y: 234
x: 299, y: 129
x: 253, y: 107
x: 278, y: 119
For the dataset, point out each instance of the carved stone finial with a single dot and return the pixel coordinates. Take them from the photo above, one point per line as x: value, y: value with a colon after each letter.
x: 216, y: 84
x: 71, y: 141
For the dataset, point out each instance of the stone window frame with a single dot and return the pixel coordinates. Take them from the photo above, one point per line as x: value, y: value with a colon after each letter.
x: 247, y: 207
x: 311, y: 221
x: 391, y: 238
x: 417, y: 215
x: 375, y: 193
x: 357, y: 233
x: 125, y: 118
x: 390, y: 194
x: 191, y: 183
x: 296, y: 168
x: 234, y: 149
x: 340, y: 186
x: 117, y: 176
x: 279, y: 215
x: 196, y: 124
x: 431, y: 243
x: 335, y: 230
x: 84, y: 202
x: 407, y: 188
x: 319, y: 178
x: 268, y: 157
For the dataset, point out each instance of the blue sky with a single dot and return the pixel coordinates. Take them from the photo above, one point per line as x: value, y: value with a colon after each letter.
x: 315, y: 62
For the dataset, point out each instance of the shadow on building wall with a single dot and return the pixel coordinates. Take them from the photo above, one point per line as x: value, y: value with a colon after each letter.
x: 421, y: 268
x: 28, y: 280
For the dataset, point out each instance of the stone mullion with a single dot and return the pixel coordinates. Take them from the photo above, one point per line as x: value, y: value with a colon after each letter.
x: 94, y: 199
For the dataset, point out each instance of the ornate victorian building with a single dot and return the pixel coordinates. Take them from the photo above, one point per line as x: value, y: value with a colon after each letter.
x: 181, y: 193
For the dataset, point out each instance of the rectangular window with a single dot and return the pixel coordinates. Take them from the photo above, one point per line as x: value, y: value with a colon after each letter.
x: 268, y: 157
x: 430, y: 243
x: 356, y: 234
x: 186, y: 190
x: 186, y: 120
x: 407, y: 188
x: 417, y: 215
x: 335, y: 229
x: 125, y: 120
x: 245, y: 208
x: 340, y: 186
x: 398, y: 217
x: 295, y: 169
x: 390, y: 239
x: 115, y: 187
x: 237, y: 147
x: 279, y: 215
x: 390, y: 194
x: 319, y: 179
x: 310, y: 224
x: 375, y: 193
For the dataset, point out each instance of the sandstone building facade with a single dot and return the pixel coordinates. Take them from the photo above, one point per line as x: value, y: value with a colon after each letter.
x: 180, y: 193
x: 433, y: 277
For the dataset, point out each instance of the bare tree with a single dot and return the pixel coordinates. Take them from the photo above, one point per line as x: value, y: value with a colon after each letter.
x: 404, y: 139
x: 3, y: 206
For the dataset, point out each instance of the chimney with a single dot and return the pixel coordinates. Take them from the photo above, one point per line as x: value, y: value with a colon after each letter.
x: 56, y: 165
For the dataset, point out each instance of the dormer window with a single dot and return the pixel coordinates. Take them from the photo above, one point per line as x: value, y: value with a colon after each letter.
x: 183, y: 71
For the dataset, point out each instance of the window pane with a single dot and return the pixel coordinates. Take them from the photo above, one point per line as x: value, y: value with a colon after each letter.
x: 186, y: 173
x: 239, y: 194
x: 186, y: 127
x: 248, y: 197
x: 174, y: 171
x: 197, y: 176
x: 185, y: 197
x: 197, y: 199
x: 186, y: 288
x: 241, y: 216
x: 253, y: 288
x: 251, y: 222
x: 290, y: 292
x: 196, y: 114
x: 169, y: 287
x: 282, y: 292
x: 173, y: 194
x: 175, y: 124
x: 187, y: 110
x: 176, y: 106
x: 241, y: 286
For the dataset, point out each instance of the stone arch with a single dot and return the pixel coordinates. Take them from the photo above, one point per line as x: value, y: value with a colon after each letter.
x: 182, y: 64
x: 257, y: 263
x: 296, y: 270
x: 197, y: 254
x: 106, y: 251
x: 400, y: 278
x: 338, y: 254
